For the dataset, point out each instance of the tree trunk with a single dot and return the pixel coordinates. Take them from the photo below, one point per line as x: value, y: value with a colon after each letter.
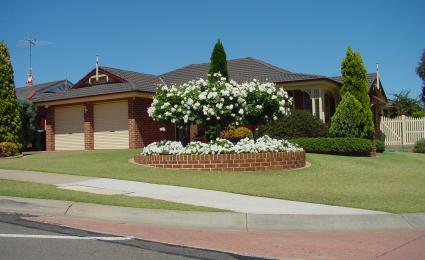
x: 183, y: 134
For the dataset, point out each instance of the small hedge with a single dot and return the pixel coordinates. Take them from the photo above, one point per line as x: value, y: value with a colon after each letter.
x: 419, y: 146
x: 8, y: 149
x: 297, y: 124
x: 418, y: 114
x: 337, y: 145
x: 380, y: 146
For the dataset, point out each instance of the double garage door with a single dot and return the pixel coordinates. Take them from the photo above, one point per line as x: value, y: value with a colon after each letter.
x: 110, y: 125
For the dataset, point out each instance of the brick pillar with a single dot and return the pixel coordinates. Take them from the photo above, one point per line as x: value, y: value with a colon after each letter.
x: 50, y: 129
x: 88, y: 127
x: 135, y: 123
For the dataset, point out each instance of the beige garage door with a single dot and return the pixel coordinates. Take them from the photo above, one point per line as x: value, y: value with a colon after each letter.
x: 69, y: 128
x: 111, y: 125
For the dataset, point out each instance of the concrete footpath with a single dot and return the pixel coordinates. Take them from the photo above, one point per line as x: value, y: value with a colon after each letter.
x: 207, y: 198
x: 213, y: 220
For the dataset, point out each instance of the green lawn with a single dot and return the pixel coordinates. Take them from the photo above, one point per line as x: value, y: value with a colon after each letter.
x: 392, y: 182
x: 44, y: 191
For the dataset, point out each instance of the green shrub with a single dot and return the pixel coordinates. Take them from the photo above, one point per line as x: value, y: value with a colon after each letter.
x: 419, y: 146
x: 418, y: 114
x: 350, y: 119
x: 297, y: 124
x: 380, y: 146
x: 335, y: 145
x: 8, y: 149
x: 29, y: 119
x: 234, y: 134
x: 210, y: 132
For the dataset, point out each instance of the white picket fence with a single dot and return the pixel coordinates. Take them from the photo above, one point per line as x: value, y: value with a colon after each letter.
x: 402, y: 130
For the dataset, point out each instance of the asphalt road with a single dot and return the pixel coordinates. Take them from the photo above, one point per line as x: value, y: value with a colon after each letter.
x: 23, y: 239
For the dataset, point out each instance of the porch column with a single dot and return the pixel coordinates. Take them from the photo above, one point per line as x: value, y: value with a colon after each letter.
x: 317, y: 96
x: 322, y: 105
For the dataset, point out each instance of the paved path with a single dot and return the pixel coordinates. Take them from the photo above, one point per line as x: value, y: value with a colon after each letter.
x: 200, y: 197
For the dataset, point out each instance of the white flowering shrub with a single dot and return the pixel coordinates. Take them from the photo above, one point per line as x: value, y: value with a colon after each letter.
x: 175, y: 103
x: 221, y: 146
x: 264, y: 101
x: 219, y: 102
x: 163, y: 147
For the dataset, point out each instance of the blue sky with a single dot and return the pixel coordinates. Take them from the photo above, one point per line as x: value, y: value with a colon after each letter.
x: 158, y: 36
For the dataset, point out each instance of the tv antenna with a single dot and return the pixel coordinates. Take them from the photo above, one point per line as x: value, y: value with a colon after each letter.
x: 31, y: 42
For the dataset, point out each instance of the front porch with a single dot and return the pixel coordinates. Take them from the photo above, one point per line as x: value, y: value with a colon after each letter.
x: 319, y: 99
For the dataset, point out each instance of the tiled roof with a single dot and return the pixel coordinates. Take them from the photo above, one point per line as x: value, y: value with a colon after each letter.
x: 371, y: 77
x: 28, y: 92
x: 139, y: 81
x: 136, y: 82
x: 85, y: 92
x: 240, y: 70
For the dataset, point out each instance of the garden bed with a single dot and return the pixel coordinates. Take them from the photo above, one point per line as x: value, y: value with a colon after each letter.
x: 226, y: 162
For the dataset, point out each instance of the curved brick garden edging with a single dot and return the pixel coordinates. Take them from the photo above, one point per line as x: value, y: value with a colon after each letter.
x: 226, y: 162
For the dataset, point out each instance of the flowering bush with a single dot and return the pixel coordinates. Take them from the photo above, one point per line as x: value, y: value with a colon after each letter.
x: 219, y: 102
x: 220, y: 146
x: 264, y: 101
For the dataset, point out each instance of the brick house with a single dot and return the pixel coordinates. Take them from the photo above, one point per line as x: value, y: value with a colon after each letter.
x: 107, y: 109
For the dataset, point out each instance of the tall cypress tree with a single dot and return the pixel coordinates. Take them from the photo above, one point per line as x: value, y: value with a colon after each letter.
x: 218, y: 61
x: 420, y: 70
x: 354, y: 77
x: 218, y: 64
x: 355, y: 82
x: 10, y: 119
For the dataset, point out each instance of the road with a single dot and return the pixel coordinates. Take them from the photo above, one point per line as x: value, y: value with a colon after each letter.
x: 23, y: 239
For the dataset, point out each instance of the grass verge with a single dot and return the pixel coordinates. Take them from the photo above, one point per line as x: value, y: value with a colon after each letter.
x: 45, y: 191
x: 391, y: 182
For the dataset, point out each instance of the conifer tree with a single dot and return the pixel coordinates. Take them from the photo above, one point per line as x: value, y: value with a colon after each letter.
x: 218, y: 62
x: 10, y: 119
x: 420, y: 70
x: 355, y: 82
x: 348, y: 120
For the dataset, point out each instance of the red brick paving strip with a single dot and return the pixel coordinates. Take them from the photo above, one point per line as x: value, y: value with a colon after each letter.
x: 389, y: 244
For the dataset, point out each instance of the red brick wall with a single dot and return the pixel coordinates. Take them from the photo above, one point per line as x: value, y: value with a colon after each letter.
x: 88, y: 127
x: 226, y: 162
x: 41, y: 123
x: 50, y: 129
x: 143, y: 130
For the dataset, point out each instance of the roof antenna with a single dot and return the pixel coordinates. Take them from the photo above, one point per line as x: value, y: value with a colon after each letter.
x: 97, y: 67
x: 31, y: 42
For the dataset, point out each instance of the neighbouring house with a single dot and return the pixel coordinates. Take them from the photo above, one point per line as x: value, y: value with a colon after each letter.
x: 30, y: 92
x: 107, y: 109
